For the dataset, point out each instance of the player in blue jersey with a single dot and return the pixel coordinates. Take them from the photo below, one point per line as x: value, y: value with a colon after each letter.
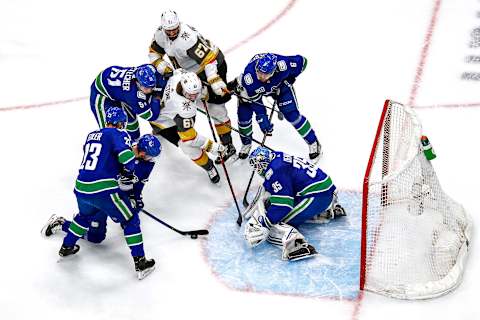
x: 271, y: 75
x: 106, y: 174
x: 135, y: 89
x: 146, y: 150
x: 295, y: 191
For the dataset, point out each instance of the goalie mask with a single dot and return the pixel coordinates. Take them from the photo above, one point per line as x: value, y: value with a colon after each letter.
x: 260, y: 158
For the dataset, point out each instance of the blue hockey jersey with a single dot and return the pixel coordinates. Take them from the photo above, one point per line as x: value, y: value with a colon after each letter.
x: 106, y: 152
x: 143, y: 168
x: 290, y: 180
x: 115, y: 83
x: 288, y: 68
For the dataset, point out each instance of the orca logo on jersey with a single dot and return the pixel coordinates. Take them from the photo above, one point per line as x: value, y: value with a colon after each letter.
x: 141, y: 95
x: 127, y: 80
x: 96, y: 136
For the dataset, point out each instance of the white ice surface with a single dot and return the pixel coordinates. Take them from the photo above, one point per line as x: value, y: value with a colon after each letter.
x: 360, y: 52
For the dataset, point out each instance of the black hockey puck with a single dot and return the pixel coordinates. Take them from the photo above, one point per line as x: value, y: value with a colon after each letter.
x: 193, y: 236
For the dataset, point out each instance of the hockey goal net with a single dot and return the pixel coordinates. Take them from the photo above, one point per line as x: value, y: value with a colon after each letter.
x: 414, y: 236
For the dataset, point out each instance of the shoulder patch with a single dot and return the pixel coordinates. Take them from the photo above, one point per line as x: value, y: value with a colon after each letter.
x: 247, y: 78
x: 282, y: 66
x: 141, y: 95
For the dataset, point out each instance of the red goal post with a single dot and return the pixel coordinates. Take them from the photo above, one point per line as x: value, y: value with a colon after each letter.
x: 415, y: 238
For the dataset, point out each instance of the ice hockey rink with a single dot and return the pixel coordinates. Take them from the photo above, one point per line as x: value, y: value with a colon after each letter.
x: 360, y: 53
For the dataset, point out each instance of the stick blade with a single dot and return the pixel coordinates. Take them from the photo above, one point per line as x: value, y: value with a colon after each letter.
x: 201, y: 232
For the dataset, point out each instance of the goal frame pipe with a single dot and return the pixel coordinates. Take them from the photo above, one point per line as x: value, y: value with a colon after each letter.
x: 366, y: 179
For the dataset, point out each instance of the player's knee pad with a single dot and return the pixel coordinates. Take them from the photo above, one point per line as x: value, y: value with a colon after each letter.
x: 96, y: 237
x: 292, y: 116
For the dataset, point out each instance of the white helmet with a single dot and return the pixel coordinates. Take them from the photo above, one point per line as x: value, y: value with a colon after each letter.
x: 169, y: 20
x: 191, y: 85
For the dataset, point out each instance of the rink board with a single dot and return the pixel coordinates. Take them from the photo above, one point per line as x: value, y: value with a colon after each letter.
x: 332, y: 274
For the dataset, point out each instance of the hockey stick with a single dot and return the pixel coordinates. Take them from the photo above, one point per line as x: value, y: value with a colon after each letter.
x: 280, y: 114
x: 234, y: 129
x: 245, y: 201
x: 192, y: 233
x: 239, y: 219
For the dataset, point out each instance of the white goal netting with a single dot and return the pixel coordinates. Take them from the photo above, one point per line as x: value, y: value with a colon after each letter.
x: 414, y: 236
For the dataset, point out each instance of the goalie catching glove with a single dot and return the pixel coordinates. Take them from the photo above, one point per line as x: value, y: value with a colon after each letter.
x: 216, y: 83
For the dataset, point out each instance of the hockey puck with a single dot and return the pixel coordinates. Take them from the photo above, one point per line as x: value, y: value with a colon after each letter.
x: 193, y: 236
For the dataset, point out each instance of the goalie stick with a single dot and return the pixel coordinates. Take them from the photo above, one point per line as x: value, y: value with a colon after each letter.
x: 192, y: 233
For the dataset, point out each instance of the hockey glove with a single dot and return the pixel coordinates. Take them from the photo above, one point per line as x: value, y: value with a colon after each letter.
x: 213, y: 147
x: 136, y: 201
x: 127, y: 180
x: 236, y: 87
x: 165, y: 68
x: 265, y: 125
x: 216, y: 83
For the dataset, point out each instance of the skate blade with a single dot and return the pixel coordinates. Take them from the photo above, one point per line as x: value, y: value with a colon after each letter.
x: 143, y: 274
x: 43, y: 232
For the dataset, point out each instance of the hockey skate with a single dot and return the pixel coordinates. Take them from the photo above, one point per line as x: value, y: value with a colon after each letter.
x: 244, y: 151
x: 339, y: 211
x: 213, y: 175
x: 229, y: 152
x: 53, y: 224
x: 315, y: 151
x: 328, y: 215
x: 68, y: 251
x: 302, y: 250
x: 143, y: 267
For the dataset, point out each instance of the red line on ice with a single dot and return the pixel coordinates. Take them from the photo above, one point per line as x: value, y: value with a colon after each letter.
x: 270, y: 23
x: 424, y: 53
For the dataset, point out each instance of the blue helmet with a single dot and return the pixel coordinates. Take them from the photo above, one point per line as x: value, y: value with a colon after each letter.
x: 150, y: 145
x: 145, y: 75
x: 267, y: 64
x: 115, y: 115
x: 260, y: 158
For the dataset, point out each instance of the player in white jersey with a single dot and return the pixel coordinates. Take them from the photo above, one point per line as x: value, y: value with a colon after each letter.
x: 178, y: 108
x: 186, y: 48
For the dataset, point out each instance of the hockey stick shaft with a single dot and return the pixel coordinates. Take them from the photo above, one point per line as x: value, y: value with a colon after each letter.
x: 245, y: 200
x: 183, y: 233
x: 239, y: 219
x: 256, y: 102
x: 234, y: 129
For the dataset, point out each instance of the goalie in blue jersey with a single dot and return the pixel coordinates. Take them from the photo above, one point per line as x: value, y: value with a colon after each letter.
x: 109, y: 184
x: 294, y: 192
